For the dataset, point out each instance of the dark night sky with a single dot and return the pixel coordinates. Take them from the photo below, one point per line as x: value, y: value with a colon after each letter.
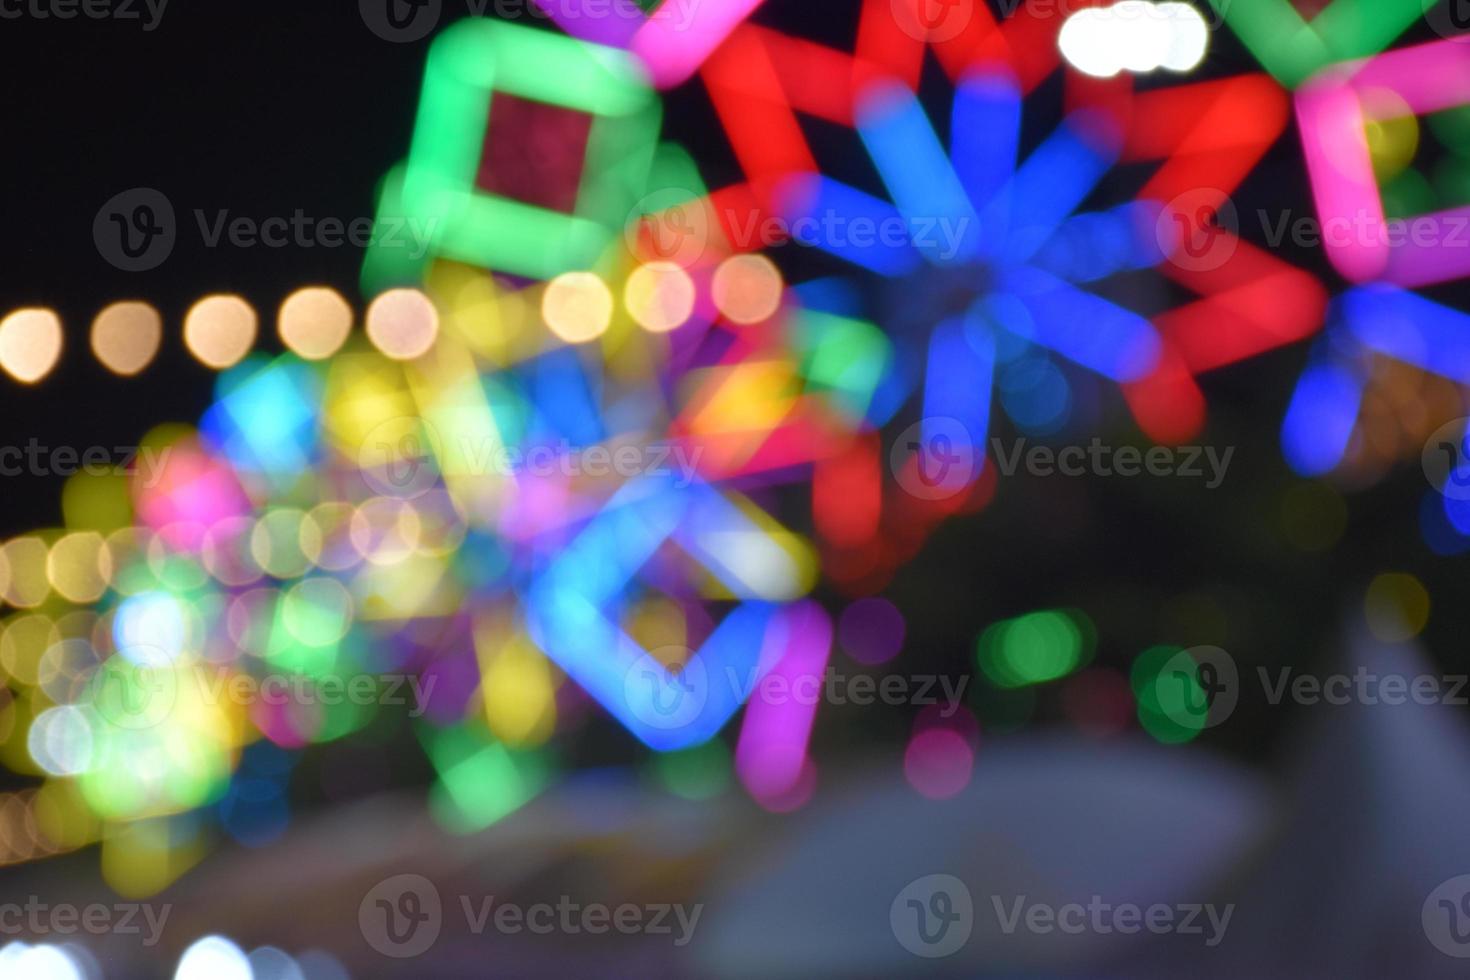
x: 264, y: 110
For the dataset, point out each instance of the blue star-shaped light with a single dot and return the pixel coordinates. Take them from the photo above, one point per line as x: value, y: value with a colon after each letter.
x: 1384, y: 321
x: 986, y: 254
x: 1368, y: 320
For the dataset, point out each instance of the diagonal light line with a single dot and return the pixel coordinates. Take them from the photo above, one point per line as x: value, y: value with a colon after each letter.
x: 1055, y: 180
x: 844, y: 222
x: 914, y: 166
x: 984, y: 135
x: 1094, y: 332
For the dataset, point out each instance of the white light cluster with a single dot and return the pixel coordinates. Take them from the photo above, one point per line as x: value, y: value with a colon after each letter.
x: 1135, y: 35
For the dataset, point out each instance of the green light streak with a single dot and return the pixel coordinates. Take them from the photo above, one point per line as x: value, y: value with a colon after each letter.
x: 1293, y: 49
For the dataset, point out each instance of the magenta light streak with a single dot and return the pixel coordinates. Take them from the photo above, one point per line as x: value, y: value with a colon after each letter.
x: 1342, y: 177
x: 613, y: 24
x: 1429, y: 77
x: 682, y: 33
x: 1413, y: 264
x: 771, y: 754
x: 1333, y: 110
x: 672, y: 42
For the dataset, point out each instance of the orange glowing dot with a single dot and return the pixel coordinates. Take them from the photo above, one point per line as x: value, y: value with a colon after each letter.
x: 125, y: 337
x: 659, y: 296
x: 219, y: 330
x: 314, y: 322
x: 747, y: 288
x: 30, y: 344
x: 577, y: 306
x: 403, y: 324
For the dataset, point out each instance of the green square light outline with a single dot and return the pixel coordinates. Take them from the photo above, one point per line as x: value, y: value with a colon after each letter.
x: 467, y: 65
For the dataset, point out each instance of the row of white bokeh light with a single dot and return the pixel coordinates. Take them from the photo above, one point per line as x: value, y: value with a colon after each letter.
x: 1136, y: 36
x: 209, y: 958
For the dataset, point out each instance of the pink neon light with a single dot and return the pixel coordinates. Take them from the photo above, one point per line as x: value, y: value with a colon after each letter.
x: 1429, y: 77
x: 1333, y: 111
x: 1341, y: 168
x: 771, y: 755
x: 676, y: 40
x: 673, y: 41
